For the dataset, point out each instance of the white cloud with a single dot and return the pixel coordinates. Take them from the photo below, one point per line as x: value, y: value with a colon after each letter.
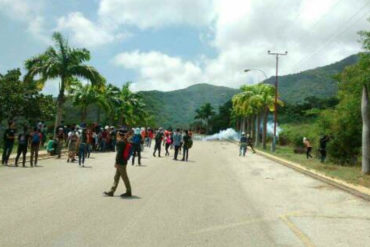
x: 85, y: 32
x: 315, y: 34
x: 159, y: 71
x: 27, y: 12
x: 156, y: 13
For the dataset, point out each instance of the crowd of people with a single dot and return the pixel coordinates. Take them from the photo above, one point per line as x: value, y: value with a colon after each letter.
x: 81, y: 140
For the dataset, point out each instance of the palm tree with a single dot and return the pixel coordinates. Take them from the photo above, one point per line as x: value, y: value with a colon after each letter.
x: 64, y: 62
x: 204, y: 113
x: 86, y: 95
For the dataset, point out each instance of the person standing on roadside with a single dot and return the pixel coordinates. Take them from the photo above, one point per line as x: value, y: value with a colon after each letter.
x: 9, y: 137
x: 177, y: 138
x: 323, y: 141
x: 136, y: 146
x: 308, y: 146
x: 23, y: 140
x: 250, y: 142
x: 188, y: 143
x: 243, y: 145
x: 36, y: 139
x: 122, y: 157
x: 60, y: 141
x: 158, y: 142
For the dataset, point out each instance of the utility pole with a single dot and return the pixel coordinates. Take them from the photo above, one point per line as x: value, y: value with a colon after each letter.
x: 276, y: 54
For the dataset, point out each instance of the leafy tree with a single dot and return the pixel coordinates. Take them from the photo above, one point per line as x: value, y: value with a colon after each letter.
x: 23, y: 100
x: 64, y: 62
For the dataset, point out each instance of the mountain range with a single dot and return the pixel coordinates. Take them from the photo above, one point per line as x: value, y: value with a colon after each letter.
x: 177, y: 108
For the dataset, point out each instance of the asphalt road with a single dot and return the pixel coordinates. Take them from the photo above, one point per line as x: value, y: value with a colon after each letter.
x: 216, y: 199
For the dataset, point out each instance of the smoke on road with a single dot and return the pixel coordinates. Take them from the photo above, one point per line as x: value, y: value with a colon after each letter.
x: 228, y: 134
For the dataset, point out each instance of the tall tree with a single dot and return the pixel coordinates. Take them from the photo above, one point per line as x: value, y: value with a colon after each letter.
x: 364, y: 64
x: 65, y: 63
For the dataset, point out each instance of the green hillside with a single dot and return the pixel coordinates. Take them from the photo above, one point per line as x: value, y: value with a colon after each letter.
x: 317, y: 82
x: 176, y: 108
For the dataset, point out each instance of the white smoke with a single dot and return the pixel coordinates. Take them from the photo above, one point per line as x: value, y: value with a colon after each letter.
x: 228, y: 134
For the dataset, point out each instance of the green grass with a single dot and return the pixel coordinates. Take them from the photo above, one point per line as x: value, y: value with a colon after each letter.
x: 350, y: 174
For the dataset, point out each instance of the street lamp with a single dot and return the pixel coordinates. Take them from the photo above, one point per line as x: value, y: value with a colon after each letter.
x: 276, y: 54
x: 263, y: 72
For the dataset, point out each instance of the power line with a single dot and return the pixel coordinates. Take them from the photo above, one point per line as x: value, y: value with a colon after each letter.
x: 336, y: 34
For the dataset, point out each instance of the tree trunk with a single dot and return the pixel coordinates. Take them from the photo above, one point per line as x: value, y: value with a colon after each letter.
x: 253, y: 126
x: 258, y: 121
x: 60, y: 102
x: 98, y: 115
x: 83, y: 114
x: 365, y: 130
x: 243, y: 124
x: 264, y: 131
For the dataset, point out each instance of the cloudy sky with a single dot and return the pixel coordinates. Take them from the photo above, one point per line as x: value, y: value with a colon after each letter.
x: 171, y: 44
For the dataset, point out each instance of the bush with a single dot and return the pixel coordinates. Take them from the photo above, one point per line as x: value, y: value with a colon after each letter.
x: 293, y: 134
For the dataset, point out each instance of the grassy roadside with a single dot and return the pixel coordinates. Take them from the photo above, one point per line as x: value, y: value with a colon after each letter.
x: 349, y: 174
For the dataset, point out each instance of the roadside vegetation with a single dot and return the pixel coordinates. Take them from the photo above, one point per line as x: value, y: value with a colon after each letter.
x: 83, y: 94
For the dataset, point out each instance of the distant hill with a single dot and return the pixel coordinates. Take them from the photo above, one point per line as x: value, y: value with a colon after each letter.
x: 176, y: 108
x: 317, y: 82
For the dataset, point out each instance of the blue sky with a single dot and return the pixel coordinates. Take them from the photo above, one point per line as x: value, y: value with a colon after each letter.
x: 172, y: 44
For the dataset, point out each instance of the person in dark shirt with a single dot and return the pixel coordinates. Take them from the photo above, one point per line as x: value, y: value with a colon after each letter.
x: 23, y: 140
x: 250, y: 142
x: 187, y: 146
x: 158, y: 141
x: 243, y: 145
x: 323, y: 141
x: 121, y: 166
x: 9, y: 137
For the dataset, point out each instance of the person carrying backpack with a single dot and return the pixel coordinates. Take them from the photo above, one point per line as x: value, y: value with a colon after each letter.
x: 188, y: 143
x: 123, y: 155
x: 23, y: 140
x: 36, y: 138
x: 158, y: 142
x: 136, y: 146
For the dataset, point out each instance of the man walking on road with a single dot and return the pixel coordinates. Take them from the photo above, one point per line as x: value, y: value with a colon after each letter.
x: 177, y: 138
x: 23, y: 140
x: 188, y: 143
x: 122, y: 156
x: 243, y: 145
x: 158, y: 142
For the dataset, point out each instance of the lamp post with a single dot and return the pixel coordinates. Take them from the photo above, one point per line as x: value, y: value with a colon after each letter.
x: 263, y: 72
x: 276, y: 54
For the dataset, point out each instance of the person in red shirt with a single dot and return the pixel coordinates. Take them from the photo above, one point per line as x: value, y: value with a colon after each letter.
x: 151, y: 136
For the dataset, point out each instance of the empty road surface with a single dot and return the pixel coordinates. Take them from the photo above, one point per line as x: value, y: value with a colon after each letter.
x: 216, y: 199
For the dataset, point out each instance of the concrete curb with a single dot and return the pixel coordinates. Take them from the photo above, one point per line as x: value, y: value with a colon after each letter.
x: 356, y: 190
x: 42, y: 156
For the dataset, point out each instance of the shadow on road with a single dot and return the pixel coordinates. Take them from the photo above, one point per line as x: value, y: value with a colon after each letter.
x: 131, y: 198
